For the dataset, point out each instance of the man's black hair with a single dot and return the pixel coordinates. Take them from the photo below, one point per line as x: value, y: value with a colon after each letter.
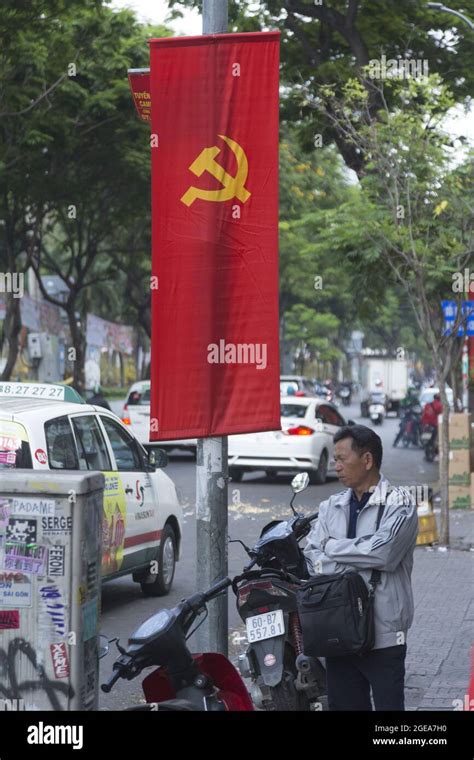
x: 363, y: 439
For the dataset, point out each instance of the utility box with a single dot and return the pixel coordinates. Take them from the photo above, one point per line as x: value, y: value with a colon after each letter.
x: 50, y: 560
x: 34, y: 346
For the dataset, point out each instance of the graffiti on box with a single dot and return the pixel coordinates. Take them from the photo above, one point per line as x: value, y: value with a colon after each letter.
x: 12, y: 688
x: 53, y: 613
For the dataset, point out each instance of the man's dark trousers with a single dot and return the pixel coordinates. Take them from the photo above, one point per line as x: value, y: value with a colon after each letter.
x: 351, y: 678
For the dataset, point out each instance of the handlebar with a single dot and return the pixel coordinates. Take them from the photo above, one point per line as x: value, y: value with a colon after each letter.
x: 128, y: 665
x: 112, y: 680
x: 217, y: 588
x: 197, y: 601
x: 302, y: 523
x: 250, y: 565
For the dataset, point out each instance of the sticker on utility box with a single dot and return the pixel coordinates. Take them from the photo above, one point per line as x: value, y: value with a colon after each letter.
x: 33, y: 507
x: 60, y: 659
x: 9, y: 620
x: 89, y: 619
x: 15, y: 590
x: 25, y: 558
x: 56, y: 560
x: 5, y: 512
x: 59, y: 525
x: 21, y: 531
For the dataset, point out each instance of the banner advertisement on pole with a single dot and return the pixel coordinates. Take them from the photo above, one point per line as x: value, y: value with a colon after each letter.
x: 139, y: 81
x: 214, y: 287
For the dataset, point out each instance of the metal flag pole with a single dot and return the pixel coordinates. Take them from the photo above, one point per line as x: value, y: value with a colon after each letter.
x: 212, y: 471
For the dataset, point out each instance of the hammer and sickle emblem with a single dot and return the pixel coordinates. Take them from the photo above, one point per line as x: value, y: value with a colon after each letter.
x: 232, y: 187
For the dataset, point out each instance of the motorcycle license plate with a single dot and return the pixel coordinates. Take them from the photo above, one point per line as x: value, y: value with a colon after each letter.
x: 426, y: 437
x: 265, y: 626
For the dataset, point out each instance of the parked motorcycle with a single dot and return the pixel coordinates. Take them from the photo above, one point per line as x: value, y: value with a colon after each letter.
x: 283, y: 677
x: 429, y: 441
x: 183, y: 681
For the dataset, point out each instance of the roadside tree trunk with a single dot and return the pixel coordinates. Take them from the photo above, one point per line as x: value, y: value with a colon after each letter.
x: 11, y: 334
x: 79, y: 353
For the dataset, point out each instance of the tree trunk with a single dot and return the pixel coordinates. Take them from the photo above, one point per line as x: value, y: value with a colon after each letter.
x: 122, y: 369
x: 443, y: 444
x: 12, y: 329
x: 78, y: 343
x: 286, y: 367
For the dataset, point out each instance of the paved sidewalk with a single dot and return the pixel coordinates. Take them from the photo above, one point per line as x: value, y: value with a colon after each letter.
x: 439, y: 642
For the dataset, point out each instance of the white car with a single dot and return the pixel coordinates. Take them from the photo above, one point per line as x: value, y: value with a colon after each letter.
x: 304, y: 443
x: 136, y: 414
x: 50, y: 427
x: 427, y: 395
x: 296, y: 384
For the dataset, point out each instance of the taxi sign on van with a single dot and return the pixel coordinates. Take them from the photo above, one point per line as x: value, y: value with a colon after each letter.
x: 45, y: 391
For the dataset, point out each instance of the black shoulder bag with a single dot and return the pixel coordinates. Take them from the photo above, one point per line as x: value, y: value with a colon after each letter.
x: 337, y: 612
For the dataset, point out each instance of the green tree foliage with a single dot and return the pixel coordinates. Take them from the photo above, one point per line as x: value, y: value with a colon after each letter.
x: 314, y: 283
x: 416, y: 215
x: 74, y: 193
x: 327, y: 42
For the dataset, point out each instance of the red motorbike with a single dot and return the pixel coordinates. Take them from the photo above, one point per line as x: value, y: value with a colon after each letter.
x: 182, y: 681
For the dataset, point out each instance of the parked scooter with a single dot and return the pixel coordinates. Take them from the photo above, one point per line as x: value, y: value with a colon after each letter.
x: 182, y: 681
x: 283, y: 677
x: 429, y: 441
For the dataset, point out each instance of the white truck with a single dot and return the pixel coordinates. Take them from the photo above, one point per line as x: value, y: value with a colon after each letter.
x: 387, y: 375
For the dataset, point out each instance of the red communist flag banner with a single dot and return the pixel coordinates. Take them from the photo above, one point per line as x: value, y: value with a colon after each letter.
x: 214, y: 286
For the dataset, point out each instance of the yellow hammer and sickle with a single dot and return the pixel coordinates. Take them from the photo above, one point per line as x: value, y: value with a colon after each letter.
x: 232, y: 187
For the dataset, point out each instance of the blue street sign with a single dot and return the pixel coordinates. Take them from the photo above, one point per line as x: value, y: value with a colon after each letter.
x: 450, y: 311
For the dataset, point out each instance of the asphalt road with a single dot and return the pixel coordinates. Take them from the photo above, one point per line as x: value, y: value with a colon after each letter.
x: 252, y: 503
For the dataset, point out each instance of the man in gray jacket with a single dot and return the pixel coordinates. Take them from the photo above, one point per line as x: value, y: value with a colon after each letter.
x: 345, y: 538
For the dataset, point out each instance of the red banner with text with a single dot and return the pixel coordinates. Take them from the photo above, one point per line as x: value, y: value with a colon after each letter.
x: 214, y: 139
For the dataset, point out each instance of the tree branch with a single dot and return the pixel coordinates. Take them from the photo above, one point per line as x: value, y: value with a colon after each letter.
x: 38, y: 99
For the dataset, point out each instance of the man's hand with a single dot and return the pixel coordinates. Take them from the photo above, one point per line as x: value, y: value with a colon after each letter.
x: 324, y: 542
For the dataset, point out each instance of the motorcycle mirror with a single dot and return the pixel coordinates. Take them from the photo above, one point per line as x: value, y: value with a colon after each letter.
x: 300, y: 482
x: 238, y: 541
x: 103, y: 646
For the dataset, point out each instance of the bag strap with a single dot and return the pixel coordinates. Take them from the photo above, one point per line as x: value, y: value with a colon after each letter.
x: 376, y: 574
